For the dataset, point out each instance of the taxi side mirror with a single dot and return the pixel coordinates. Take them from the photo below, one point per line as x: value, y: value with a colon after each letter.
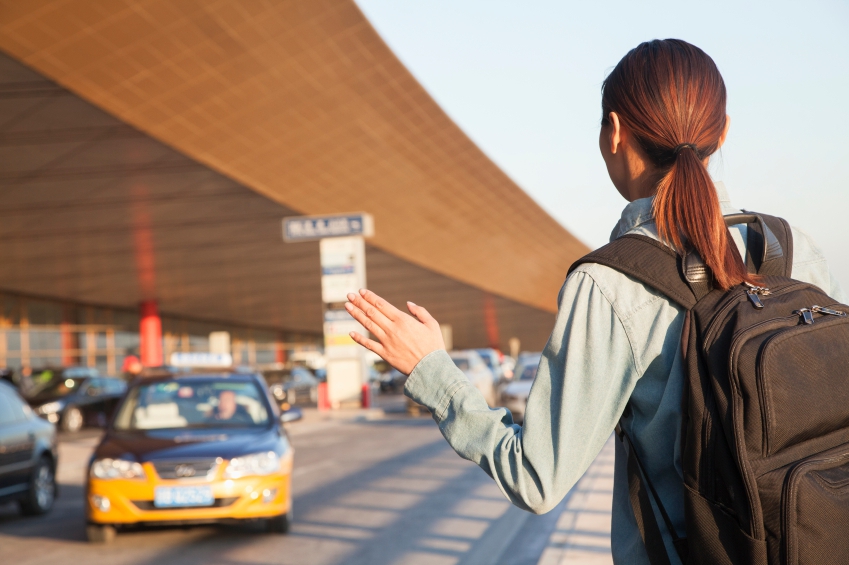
x: 291, y: 415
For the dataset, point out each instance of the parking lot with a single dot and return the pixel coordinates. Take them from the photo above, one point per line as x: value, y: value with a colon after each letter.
x: 370, y: 487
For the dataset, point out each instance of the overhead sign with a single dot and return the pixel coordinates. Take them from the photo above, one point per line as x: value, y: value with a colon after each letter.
x: 200, y: 359
x: 343, y: 267
x: 311, y: 228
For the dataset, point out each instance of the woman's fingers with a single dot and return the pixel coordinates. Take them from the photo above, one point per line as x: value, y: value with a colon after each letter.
x: 382, y: 306
x: 422, y: 314
x: 364, y: 320
x: 369, y: 344
x: 369, y: 310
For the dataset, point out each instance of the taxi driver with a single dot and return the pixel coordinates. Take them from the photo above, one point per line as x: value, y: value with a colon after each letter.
x: 229, y: 410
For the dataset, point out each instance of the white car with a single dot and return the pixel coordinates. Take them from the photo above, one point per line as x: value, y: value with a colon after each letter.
x: 473, y: 366
x: 476, y: 370
x: 515, y: 395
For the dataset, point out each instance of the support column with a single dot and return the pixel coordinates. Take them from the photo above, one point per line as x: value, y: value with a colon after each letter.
x: 280, y: 351
x: 150, y: 334
x: 70, y: 339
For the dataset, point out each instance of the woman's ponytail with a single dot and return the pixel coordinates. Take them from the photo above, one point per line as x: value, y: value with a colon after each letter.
x: 671, y: 96
x: 687, y: 214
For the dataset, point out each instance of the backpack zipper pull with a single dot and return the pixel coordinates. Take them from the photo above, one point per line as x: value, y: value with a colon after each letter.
x: 828, y: 311
x: 807, y: 315
x: 755, y: 299
x: 753, y: 293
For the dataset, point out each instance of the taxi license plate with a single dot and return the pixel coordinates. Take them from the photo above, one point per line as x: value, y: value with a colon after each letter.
x: 173, y: 497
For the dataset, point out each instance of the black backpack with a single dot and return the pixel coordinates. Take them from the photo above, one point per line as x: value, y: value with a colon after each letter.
x: 765, y: 439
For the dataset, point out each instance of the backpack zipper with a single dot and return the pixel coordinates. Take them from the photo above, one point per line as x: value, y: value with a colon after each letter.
x: 736, y: 299
x: 807, y: 314
x: 754, y: 292
x: 757, y: 521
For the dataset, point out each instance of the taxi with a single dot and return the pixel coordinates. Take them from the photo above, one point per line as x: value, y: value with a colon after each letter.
x: 192, y: 449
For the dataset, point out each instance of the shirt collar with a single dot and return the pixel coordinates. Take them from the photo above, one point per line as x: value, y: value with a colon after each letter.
x: 639, y: 212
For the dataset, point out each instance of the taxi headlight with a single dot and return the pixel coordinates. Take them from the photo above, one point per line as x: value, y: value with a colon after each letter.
x: 263, y: 463
x: 49, y: 408
x: 116, y: 469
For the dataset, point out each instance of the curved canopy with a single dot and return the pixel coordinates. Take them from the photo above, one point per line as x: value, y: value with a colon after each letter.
x: 302, y: 102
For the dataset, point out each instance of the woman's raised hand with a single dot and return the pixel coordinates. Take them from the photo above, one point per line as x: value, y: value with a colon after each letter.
x: 402, y: 340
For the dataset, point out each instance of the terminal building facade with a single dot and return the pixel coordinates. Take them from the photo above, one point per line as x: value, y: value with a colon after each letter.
x: 149, y: 151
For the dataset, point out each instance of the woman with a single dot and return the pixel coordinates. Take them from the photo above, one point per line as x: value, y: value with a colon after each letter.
x: 615, y: 340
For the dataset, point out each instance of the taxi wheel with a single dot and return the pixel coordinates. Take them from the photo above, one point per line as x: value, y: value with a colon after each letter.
x: 279, y: 524
x: 100, y: 533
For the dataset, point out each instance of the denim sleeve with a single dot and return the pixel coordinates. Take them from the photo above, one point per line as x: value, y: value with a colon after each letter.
x: 585, y: 377
x: 810, y: 265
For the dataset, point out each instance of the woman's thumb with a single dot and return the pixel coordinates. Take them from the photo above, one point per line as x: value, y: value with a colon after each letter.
x: 421, y: 313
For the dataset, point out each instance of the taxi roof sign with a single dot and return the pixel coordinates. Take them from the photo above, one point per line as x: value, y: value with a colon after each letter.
x: 313, y: 228
x: 200, y: 359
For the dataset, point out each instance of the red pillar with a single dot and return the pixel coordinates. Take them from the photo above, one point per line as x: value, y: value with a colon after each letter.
x: 279, y: 352
x: 70, y: 343
x: 150, y: 334
x: 490, y: 321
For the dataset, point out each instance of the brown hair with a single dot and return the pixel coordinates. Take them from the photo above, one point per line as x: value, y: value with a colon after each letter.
x: 671, y: 97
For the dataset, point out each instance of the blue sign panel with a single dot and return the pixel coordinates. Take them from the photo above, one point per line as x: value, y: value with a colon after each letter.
x: 311, y: 228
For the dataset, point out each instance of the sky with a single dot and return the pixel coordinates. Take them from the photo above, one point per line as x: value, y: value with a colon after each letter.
x: 523, y: 79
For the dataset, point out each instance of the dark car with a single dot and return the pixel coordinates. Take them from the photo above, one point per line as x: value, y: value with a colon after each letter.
x: 28, y: 455
x: 392, y: 381
x: 75, y: 400
x: 189, y: 449
x: 296, y: 386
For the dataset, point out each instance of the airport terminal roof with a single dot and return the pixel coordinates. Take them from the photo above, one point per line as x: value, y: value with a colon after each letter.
x: 300, y: 102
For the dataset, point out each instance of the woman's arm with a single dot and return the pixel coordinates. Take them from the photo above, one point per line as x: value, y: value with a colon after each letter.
x: 585, y: 378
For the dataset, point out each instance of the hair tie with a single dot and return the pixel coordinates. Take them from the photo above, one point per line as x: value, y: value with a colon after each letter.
x: 683, y: 146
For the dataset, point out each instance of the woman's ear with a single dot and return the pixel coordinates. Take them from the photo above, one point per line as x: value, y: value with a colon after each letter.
x: 615, y: 137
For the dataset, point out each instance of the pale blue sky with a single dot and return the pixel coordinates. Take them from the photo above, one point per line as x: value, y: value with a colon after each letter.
x: 522, y: 79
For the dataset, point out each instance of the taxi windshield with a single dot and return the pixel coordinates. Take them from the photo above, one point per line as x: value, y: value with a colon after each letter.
x: 193, y: 403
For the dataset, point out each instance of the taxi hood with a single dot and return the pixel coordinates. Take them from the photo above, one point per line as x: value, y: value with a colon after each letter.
x: 152, y: 445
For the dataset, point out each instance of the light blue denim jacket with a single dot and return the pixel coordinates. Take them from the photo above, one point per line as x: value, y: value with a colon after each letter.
x: 614, y: 339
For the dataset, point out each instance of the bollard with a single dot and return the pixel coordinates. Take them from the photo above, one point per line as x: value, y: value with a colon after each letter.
x: 323, y: 401
x: 366, y: 399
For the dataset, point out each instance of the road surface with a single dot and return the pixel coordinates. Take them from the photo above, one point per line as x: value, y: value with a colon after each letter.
x: 367, y: 492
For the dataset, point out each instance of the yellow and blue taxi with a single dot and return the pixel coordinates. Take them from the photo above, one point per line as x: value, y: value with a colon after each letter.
x: 192, y: 449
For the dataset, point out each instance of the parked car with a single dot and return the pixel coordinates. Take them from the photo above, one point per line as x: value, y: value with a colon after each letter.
x: 33, y: 383
x: 492, y: 358
x: 28, y: 455
x: 515, y: 395
x: 292, y: 386
x: 392, y: 381
x: 472, y: 364
x: 192, y: 449
x: 75, y: 401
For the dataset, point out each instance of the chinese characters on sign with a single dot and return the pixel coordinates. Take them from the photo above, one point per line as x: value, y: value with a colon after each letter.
x: 311, y: 228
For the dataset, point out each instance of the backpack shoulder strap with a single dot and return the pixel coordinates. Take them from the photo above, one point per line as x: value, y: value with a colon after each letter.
x: 652, y: 263
x: 781, y: 229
